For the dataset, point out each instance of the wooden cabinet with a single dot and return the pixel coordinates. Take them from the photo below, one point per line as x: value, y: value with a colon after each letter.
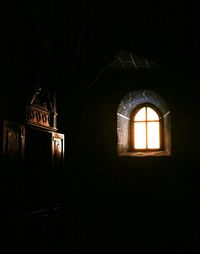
x: 34, y: 151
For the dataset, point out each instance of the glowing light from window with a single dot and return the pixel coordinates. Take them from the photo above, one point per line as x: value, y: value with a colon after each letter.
x: 153, y: 137
x: 140, y: 135
x: 141, y: 115
x: 146, y: 129
x: 151, y: 114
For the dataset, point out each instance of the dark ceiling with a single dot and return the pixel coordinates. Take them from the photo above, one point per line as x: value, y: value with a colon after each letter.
x: 47, y: 40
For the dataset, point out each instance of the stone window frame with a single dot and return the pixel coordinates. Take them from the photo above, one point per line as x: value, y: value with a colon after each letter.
x: 129, y: 103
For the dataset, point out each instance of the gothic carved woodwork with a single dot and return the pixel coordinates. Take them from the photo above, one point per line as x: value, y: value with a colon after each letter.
x: 41, y: 117
x: 13, y: 140
x: 35, y: 150
x: 38, y: 117
x: 41, y: 111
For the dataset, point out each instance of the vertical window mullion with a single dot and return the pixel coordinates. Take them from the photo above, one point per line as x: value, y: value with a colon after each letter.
x: 146, y: 128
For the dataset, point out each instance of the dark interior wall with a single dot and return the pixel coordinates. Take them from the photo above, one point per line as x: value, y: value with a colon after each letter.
x: 150, y: 199
x: 99, y: 111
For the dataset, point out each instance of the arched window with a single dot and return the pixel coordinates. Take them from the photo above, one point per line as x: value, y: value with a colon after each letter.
x: 143, y: 125
x: 146, y: 129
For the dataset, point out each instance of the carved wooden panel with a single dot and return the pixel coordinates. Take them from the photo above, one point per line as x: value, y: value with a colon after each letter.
x: 57, y: 148
x: 13, y: 140
x: 39, y: 117
x: 41, y: 111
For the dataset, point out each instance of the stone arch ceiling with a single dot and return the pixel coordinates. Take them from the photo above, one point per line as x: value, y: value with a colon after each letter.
x: 128, y: 60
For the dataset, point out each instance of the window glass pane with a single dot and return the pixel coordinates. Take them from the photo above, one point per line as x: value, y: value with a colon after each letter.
x: 139, y: 135
x: 151, y: 114
x: 153, y: 135
x: 141, y: 115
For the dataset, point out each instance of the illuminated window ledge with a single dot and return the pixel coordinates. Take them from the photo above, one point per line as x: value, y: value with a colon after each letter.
x: 145, y: 154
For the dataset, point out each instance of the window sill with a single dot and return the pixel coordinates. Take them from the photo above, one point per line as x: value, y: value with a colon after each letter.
x: 146, y: 154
